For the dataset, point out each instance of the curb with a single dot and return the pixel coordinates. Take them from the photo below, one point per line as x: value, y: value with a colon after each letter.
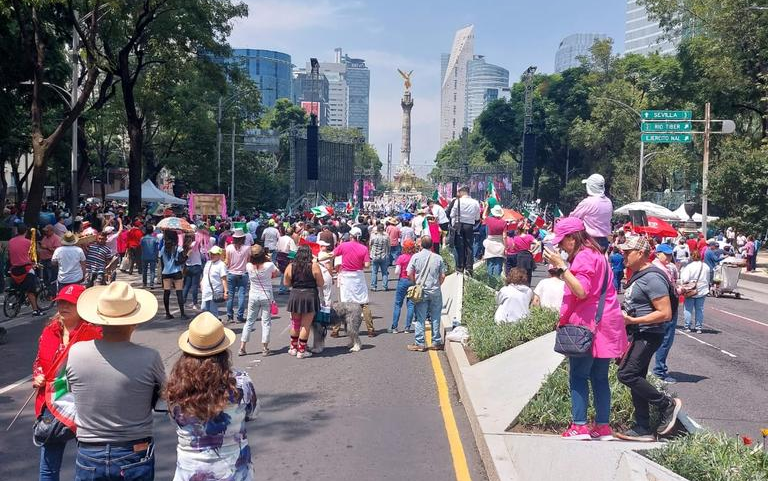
x: 754, y: 278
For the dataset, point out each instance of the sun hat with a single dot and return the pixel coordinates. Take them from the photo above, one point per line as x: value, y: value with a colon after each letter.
x: 567, y: 225
x: 324, y: 256
x: 664, y: 248
x: 322, y: 243
x: 355, y: 232
x: 109, y: 229
x: 206, y: 336
x: 497, y: 211
x: 117, y: 304
x: 68, y: 239
x: 238, y: 233
x: 70, y: 293
x: 215, y: 250
x: 636, y: 243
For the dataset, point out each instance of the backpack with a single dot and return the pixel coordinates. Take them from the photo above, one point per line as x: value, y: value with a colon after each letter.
x: 673, y: 298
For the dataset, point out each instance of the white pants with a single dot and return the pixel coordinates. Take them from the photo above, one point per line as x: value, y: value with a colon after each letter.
x: 254, y: 306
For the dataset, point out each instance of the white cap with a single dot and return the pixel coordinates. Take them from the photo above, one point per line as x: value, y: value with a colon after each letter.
x: 355, y: 232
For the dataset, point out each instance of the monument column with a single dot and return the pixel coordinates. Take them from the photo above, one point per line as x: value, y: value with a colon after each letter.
x: 405, y: 150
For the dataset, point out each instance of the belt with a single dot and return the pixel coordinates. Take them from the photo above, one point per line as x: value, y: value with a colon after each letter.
x: 122, y: 444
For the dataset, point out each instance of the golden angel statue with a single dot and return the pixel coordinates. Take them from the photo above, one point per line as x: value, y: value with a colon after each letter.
x: 407, y: 78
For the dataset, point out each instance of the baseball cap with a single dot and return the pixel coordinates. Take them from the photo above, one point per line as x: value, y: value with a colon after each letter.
x: 70, y: 293
x: 595, y: 179
x: 215, y: 250
x: 636, y: 243
x: 567, y: 225
x: 355, y: 232
x: 664, y: 249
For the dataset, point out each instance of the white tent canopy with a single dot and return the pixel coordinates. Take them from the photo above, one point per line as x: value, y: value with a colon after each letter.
x: 149, y: 193
x: 680, y: 212
x: 651, y: 209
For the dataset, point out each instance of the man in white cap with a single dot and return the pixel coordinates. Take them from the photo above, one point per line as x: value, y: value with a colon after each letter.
x: 596, y: 210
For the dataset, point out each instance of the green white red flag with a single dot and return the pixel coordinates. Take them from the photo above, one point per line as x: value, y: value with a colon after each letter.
x: 534, y: 218
x: 439, y: 199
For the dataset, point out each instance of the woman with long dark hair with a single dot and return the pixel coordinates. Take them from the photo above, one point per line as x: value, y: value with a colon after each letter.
x: 172, y: 260
x: 304, y: 277
x: 585, y: 278
x: 210, y: 403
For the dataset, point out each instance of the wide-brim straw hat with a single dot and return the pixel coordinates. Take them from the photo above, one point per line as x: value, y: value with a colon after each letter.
x: 68, y: 239
x: 206, y: 336
x: 117, y: 304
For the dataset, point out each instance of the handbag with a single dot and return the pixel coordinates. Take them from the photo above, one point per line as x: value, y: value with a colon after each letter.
x: 49, y: 430
x: 416, y: 292
x: 691, y: 288
x: 576, y: 341
x: 273, y: 308
x: 218, y: 297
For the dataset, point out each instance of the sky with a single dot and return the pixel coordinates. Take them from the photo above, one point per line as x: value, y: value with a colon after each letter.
x: 411, y: 35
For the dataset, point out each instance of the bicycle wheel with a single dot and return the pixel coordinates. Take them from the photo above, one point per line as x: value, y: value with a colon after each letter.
x: 12, y: 304
x: 45, y: 298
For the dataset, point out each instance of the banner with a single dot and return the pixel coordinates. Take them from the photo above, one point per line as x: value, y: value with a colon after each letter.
x: 208, y: 204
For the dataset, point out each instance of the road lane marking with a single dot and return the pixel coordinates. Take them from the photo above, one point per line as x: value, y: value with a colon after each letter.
x: 706, y: 344
x: 460, y: 467
x: 16, y: 384
x: 740, y: 317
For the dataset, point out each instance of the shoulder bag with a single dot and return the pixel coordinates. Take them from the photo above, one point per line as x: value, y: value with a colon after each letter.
x: 218, y: 296
x: 416, y: 292
x: 691, y: 288
x: 576, y: 341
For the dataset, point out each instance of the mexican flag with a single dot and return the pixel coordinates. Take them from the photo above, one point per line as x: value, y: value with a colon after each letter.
x: 533, y: 218
x: 537, y: 252
x: 60, y: 400
x: 313, y: 246
x: 493, y: 199
x: 557, y: 213
x: 439, y: 199
x: 322, y: 211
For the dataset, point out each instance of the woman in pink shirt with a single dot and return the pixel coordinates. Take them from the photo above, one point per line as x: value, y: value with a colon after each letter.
x: 584, y: 280
x: 403, y: 283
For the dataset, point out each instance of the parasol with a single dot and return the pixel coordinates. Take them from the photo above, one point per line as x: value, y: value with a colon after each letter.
x: 655, y: 227
x: 175, y: 223
x: 512, y: 215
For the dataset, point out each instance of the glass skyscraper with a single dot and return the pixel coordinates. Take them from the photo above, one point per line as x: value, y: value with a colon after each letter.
x: 272, y: 72
x: 454, y: 84
x: 485, y: 82
x: 359, y: 89
x: 574, y: 46
x: 643, y: 35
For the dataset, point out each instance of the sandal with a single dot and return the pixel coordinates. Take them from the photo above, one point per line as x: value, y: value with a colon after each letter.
x: 266, y: 352
x: 242, y: 352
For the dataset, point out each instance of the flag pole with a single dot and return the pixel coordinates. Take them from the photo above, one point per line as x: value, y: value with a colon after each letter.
x: 34, y: 391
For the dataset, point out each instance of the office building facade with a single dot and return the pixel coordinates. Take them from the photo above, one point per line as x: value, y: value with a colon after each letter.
x: 270, y: 70
x: 643, y: 35
x: 312, y: 94
x: 573, y: 47
x: 485, y: 83
x: 454, y: 85
x: 358, y: 79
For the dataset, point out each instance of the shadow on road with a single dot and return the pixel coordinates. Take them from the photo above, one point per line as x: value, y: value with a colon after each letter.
x: 688, y: 378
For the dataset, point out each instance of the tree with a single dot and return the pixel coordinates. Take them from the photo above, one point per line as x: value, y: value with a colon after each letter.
x: 284, y: 115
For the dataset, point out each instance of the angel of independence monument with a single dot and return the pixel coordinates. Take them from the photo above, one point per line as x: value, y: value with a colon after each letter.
x: 405, y: 176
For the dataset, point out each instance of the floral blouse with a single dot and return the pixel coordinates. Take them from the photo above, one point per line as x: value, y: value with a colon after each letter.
x: 217, y: 450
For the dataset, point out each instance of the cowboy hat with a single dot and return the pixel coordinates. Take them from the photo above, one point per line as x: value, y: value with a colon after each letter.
x: 237, y: 233
x: 117, y: 304
x: 68, y: 239
x: 206, y: 336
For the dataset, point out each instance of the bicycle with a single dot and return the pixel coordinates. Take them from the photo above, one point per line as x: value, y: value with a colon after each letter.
x: 15, y: 298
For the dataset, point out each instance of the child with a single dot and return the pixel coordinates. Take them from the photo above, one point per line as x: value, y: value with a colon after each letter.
x: 514, y: 299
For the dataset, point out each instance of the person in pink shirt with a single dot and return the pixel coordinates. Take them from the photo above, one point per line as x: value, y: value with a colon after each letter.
x: 393, y: 231
x: 352, y: 286
x: 585, y: 279
x: 238, y: 255
x: 521, y: 242
x: 22, y: 272
x: 403, y: 283
x: 596, y: 211
x: 48, y: 243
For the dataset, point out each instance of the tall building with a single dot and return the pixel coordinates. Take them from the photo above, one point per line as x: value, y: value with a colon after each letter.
x: 359, y: 90
x: 643, y: 35
x: 573, y: 47
x: 454, y: 84
x: 269, y: 69
x: 312, y: 94
x: 485, y: 83
x: 338, y: 91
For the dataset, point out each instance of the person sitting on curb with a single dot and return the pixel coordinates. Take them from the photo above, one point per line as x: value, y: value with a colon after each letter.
x: 514, y: 299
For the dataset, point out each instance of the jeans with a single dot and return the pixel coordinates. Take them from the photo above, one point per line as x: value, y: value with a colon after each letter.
x: 394, y: 253
x: 581, y: 370
x: 51, y: 456
x: 493, y: 265
x: 113, y: 463
x: 617, y: 277
x: 694, y: 304
x: 633, y: 372
x: 752, y: 262
x: 660, y: 369
x: 478, y: 237
x: 402, y: 288
x: 383, y: 266
x: 463, y: 245
x: 237, y: 284
x: 192, y: 282
x: 432, y: 304
x: 255, y: 307
x: 150, y: 266
x: 211, y: 307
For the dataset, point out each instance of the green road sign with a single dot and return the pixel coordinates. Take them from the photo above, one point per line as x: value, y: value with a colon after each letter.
x: 665, y: 138
x: 667, y: 114
x: 655, y: 126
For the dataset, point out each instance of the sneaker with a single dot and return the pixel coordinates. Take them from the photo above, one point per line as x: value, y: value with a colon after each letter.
x: 408, y: 330
x: 699, y: 331
x: 437, y: 347
x: 578, y: 432
x: 303, y: 354
x: 392, y: 330
x: 669, y: 416
x: 293, y: 351
x: 669, y: 379
x: 416, y: 348
x: 687, y: 329
x: 637, y: 434
x: 37, y: 313
x: 601, y: 432
x: 229, y: 319
x: 169, y: 316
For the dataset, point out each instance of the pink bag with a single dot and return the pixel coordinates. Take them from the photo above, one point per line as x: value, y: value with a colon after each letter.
x: 273, y: 309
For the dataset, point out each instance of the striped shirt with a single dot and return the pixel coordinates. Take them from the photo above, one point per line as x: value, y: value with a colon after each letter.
x: 97, y: 257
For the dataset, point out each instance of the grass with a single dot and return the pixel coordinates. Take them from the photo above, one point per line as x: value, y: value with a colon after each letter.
x: 708, y: 456
x: 486, y: 338
x: 481, y: 274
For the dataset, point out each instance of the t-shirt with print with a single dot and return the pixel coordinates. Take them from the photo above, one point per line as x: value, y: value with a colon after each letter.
x: 260, y: 280
x: 402, y: 261
x: 379, y: 246
x: 435, y: 268
x: 639, y: 296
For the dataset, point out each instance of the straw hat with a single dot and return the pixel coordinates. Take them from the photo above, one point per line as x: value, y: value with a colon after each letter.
x: 237, y: 233
x: 206, y: 336
x: 117, y: 304
x: 497, y: 211
x: 68, y: 239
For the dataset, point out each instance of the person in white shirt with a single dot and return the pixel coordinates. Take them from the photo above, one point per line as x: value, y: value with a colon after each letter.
x: 514, y: 299
x: 213, y: 284
x: 464, y: 212
x: 285, y: 245
x: 260, y: 274
x: 696, y: 272
x: 549, y: 292
x: 270, y: 236
x: 681, y: 253
x: 70, y: 260
x: 440, y: 216
x: 418, y: 222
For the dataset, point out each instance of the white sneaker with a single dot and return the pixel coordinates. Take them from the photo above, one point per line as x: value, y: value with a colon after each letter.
x: 293, y: 351
x: 304, y: 355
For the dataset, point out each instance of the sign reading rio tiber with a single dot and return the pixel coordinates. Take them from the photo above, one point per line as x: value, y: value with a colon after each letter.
x: 666, y: 126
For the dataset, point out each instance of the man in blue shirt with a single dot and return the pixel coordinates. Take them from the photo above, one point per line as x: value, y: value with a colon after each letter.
x: 149, y: 246
x: 712, y: 257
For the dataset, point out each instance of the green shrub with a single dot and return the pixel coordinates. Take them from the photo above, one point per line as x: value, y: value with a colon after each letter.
x: 486, y: 338
x: 550, y: 408
x: 450, y: 263
x: 481, y: 274
x: 708, y: 456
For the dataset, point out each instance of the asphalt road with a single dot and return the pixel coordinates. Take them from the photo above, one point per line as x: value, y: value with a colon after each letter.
x: 371, y: 415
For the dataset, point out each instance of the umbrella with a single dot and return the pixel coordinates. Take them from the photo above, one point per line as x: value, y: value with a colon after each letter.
x: 174, y: 223
x: 650, y: 209
x: 511, y: 215
x: 655, y: 227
